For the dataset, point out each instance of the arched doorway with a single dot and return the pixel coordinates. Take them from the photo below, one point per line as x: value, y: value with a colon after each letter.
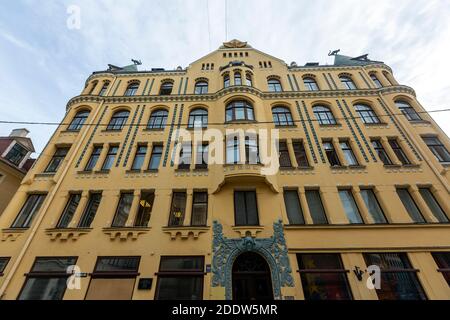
x: 251, y: 278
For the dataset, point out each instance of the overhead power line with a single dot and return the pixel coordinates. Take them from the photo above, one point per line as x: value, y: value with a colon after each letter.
x: 209, y: 123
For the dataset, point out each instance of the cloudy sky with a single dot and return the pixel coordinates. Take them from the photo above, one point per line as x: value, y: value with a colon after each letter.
x: 43, y: 63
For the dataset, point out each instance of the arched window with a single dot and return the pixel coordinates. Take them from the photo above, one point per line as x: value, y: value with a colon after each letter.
x: 118, y: 120
x: 407, y: 110
x: 226, y: 81
x: 282, y: 116
x: 274, y: 85
x: 166, y: 88
x: 239, y: 110
x: 310, y: 84
x: 367, y: 114
x: 248, y: 80
x: 201, y: 87
x: 198, y: 118
x: 104, y: 88
x: 348, y: 83
x: 237, y: 79
x: 132, y: 89
x: 324, y: 115
x: 94, y: 85
x: 158, y: 119
x: 375, y: 80
x: 78, y: 120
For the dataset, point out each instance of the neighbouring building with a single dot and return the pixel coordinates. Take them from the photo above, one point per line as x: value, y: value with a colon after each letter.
x: 361, y: 185
x: 15, y: 161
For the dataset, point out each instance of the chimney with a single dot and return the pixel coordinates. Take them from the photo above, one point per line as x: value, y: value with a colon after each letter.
x: 19, y: 133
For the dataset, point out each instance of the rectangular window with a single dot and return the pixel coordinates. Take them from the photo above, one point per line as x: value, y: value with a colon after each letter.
x: 16, y: 154
x: 139, y: 158
x: 433, y: 204
x: 113, y: 278
x: 90, y: 211
x: 110, y: 156
x: 245, y: 208
x: 233, y: 152
x: 185, y: 156
x: 180, y: 278
x: 443, y: 262
x: 293, y: 207
x: 410, y: 205
x: 378, y: 146
x: 145, y: 209
x: 94, y: 158
x: 284, y: 158
x: 398, y: 279
x: 123, y: 209
x: 199, y: 208
x: 155, y: 158
x: 69, y: 210
x: 373, y: 206
x: 3, y: 263
x: 300, y: 154
x: 350, y: 207
x: 348, y: 153
x: 177, y: 209
x: 332, y: 156
x: 202, y: 156
x: 57, y: 159
x: 401, y: 156
x: 28, y: 211
x: 251, y: 150
x: 437, y: 148
x: 323, y: 277
x: 316, y: 207
x: 47, y: 279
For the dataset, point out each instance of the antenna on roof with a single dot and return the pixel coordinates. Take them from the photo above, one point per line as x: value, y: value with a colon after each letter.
x: 136, y: 62
x: 333, y: 53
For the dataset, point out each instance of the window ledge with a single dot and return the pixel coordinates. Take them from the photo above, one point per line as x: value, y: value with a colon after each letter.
x: 338, y: 167
x: 286, y: 126
x: 45, y: 175
x: 330, y: 125
x: 392, y: 166
x: 305, y: 168
x: 112, y: 131
x: 182, y: 169
x: 70, y: 131
x: 420, y: 122
x: 357, y: 167
x: 65, y: 234
x: 133, y: 171
x: 11, y: 234
x: 125, y: 233
x: 248, y: 231
x: 155, y: 129
x: 205, y: 169
x: 379, y: 124
x: 412, y: 165
x: 85, y: 172
x: 102, y: 171
x: 184, y: 232
x: 151, y: 171
x: 196, y: 128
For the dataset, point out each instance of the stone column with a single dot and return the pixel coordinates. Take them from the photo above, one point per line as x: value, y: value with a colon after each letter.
x: 304, y: 205
x: 188, y: 211
x: 423, y: 207
x: 292, y: 153
x: 362, y: 206
x: 332, y: 205
x: 390, y: 202
x: 388, y: 149
x: 80, y: 209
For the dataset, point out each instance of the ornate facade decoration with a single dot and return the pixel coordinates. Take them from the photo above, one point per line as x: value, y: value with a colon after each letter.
x: 273, y: 249
x: 235, y: 44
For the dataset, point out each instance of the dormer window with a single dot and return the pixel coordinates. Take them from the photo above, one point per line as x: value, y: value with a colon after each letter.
x: 16, y: 154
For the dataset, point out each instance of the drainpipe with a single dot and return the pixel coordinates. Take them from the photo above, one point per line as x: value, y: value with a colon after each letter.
x: 49, y: 200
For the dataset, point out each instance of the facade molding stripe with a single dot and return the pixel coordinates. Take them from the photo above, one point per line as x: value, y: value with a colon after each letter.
x: 180, y: 116
x: 145, y: 87
x: 117, y: 87
x: 169, y: 137
x: 305, y: 129
x: 91, y: 137
x: 316, y: 139
x: 386, y: 110
x: 186, y: 85
x: 151, y: 86
x: 332, y: 81
x: 365, y: 80
x: 134, y: 137
x: 124, y: 145
x: 328, y: 81
x: 180, y: 85
x: 290, y: 83
x: 295, y: 81
x: 349, y: 125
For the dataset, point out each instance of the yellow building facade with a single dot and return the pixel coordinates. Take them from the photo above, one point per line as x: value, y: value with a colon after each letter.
x: 362, y: 186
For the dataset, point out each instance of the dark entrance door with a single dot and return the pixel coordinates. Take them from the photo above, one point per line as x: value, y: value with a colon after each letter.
x: 251, y: 278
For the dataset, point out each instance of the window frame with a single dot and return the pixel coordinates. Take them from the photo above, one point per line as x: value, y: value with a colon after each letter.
x: 174, y: 221
x: 366, y: 113
x: 205, y: 218
x: 158, y: 119
x: 58, y: 157
x: 348, y: 82
x: 131, y: 89
x: 110, y: 156
x: 311, y: 84
x: 274, y: 85
x: 236, y: 105
x: 126, y: 199
x: 78, y: 120
x: 194, y: 115
x: 93, y: 158
x: 408, y: 111
x: 201, y: 87
x: 118, y: 120
x: 324, y: 115
x: 382, y: 154
x: 66, y: 214
x: 22, y: 153
x: 398, y: 151
x: 88, y: 214
x: 34, y: 210
x: 246, y: 209
x: 277, y: 112
x: 154, y: 154
x: 166, y: 88
x: 139, y: 156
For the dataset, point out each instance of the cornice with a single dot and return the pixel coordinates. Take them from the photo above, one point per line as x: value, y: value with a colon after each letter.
x: 340, y: 68
x: 239, y: 90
